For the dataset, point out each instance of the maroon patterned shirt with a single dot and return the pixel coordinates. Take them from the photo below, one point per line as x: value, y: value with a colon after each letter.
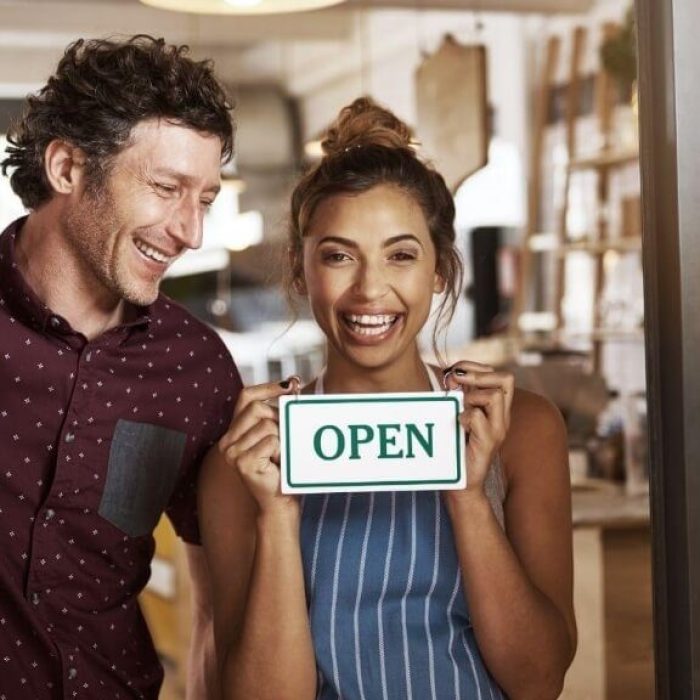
x: 97, y: 439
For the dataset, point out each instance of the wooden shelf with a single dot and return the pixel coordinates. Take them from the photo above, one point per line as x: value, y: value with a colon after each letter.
x: 632, y: 335
x: 605, y: 160
x: 546, y: 243
x: 620, y: 245
x: 601, y: 237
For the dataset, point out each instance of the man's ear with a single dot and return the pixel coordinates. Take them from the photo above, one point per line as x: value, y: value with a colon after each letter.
x: 64, y: 165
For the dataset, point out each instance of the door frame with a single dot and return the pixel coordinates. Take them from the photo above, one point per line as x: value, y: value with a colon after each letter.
x: 669, y: 102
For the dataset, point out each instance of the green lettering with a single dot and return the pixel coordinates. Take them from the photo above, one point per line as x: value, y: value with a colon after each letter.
x: 339, y: 442
x: 356, y: 440
x: 385, y: 440
x: 426, y: 442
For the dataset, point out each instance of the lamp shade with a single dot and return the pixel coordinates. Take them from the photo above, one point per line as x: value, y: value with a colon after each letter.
x: 240, y: 7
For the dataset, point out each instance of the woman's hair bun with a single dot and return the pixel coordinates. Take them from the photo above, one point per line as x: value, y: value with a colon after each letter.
x: 365, y: 123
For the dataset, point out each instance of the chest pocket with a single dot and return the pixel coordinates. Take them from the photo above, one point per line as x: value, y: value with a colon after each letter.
x: 144, y: 463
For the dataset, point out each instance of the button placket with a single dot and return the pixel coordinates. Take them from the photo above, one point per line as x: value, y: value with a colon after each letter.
x: 79, y: 397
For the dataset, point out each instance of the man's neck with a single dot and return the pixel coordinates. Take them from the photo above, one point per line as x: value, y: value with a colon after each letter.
x: 58, y: 278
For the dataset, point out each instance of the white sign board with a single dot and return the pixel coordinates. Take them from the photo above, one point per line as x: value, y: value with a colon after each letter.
x: 372, y: 442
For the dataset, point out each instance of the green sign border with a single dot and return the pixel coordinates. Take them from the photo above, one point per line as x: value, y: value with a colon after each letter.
x: 336, y: 484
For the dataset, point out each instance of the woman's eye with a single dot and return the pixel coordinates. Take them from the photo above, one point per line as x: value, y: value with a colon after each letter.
x: 335, y: 257
x: 404, y: 255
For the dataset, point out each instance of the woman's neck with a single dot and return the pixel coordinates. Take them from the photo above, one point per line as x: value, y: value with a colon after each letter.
x: 344, y: 377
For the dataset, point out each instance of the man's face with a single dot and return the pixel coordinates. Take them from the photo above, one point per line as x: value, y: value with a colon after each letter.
x: 149, y: 210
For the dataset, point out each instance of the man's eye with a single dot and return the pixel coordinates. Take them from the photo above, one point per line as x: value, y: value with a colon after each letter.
x: 164, y: 188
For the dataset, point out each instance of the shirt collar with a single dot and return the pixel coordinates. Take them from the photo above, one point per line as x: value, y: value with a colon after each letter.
x: 15, y: 291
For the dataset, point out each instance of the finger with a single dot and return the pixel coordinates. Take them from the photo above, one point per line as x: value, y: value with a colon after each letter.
x: 477, y: 425
x: 471, y: 364
x: 460, y: 369
x: 492, y: 402
x: 257, y: 459
x: 264, y: 392
x: 482, y: 380
x: 260, y: 430
x: 466, y: 365
x: 483, y: 397
x: 465, y: 419
x: 251, y: 415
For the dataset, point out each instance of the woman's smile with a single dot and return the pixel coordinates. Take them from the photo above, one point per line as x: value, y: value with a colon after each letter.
x: 370, y: 329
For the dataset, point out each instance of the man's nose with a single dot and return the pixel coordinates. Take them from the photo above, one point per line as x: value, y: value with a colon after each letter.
x: 187, y: 223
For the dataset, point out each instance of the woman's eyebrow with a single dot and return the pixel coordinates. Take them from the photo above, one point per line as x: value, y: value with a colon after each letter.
x: 350, y: 243
x: 337, y: 239
x: 401, y: 237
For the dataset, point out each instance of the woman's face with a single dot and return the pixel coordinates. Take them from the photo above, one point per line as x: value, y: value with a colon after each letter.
x: 370, y: 274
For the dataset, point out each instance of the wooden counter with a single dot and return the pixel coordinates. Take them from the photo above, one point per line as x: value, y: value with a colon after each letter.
x: 612, y: 595
x: 607, y: 505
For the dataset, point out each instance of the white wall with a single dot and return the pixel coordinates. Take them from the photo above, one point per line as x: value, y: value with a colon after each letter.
x: 381, y: 56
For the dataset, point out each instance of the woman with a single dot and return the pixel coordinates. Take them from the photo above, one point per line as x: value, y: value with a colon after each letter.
x: 460, y: 594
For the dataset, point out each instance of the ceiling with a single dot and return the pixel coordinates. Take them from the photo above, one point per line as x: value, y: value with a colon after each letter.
x: 50, y: 22
x: 33, y: 33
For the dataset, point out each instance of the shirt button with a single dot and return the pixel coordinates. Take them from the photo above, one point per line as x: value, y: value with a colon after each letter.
x: 55, y: 322
x: 72, y: 673
x: 48, y: 515
x: 70, y: 437
x: 35, y: 598
x: 88, y: 357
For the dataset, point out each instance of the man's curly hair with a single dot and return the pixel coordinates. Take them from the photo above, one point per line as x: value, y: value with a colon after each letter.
x: 101, y: 90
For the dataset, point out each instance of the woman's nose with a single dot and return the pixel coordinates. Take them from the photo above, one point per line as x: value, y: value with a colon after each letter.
x: 371, y: 282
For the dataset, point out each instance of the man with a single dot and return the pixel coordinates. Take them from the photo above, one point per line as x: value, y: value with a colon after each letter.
x: 110, y: 393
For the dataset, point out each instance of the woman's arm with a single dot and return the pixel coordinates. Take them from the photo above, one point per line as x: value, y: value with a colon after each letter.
x: 250, y: 534
x: 519, y: 583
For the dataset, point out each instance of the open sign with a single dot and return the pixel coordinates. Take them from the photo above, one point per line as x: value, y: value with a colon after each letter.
x: 371, y: 442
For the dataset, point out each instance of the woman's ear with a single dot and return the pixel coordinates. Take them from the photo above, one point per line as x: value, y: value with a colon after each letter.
x: 64, y: 165
x: 296, y: 265
x: 299, y: 285
x: 438, y: 284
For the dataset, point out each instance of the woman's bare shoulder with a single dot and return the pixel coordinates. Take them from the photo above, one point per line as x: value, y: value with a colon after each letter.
x: 534, y: 411
x: 537, y: 429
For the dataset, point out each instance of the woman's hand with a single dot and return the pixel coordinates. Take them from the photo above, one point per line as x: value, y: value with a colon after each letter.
x: 251, y: 444
x: 488, y: 396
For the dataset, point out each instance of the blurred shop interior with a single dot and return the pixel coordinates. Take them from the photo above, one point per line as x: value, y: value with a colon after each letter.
x: 529, y: 109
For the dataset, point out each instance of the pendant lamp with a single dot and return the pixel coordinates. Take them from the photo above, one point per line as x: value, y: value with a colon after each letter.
x: 240, y: 7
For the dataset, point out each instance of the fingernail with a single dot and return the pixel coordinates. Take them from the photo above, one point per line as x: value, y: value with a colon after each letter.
x: 285, y: 384
x: 460, y: 372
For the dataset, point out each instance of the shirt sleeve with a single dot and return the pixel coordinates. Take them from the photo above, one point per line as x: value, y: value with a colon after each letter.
x: 182, y: 508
